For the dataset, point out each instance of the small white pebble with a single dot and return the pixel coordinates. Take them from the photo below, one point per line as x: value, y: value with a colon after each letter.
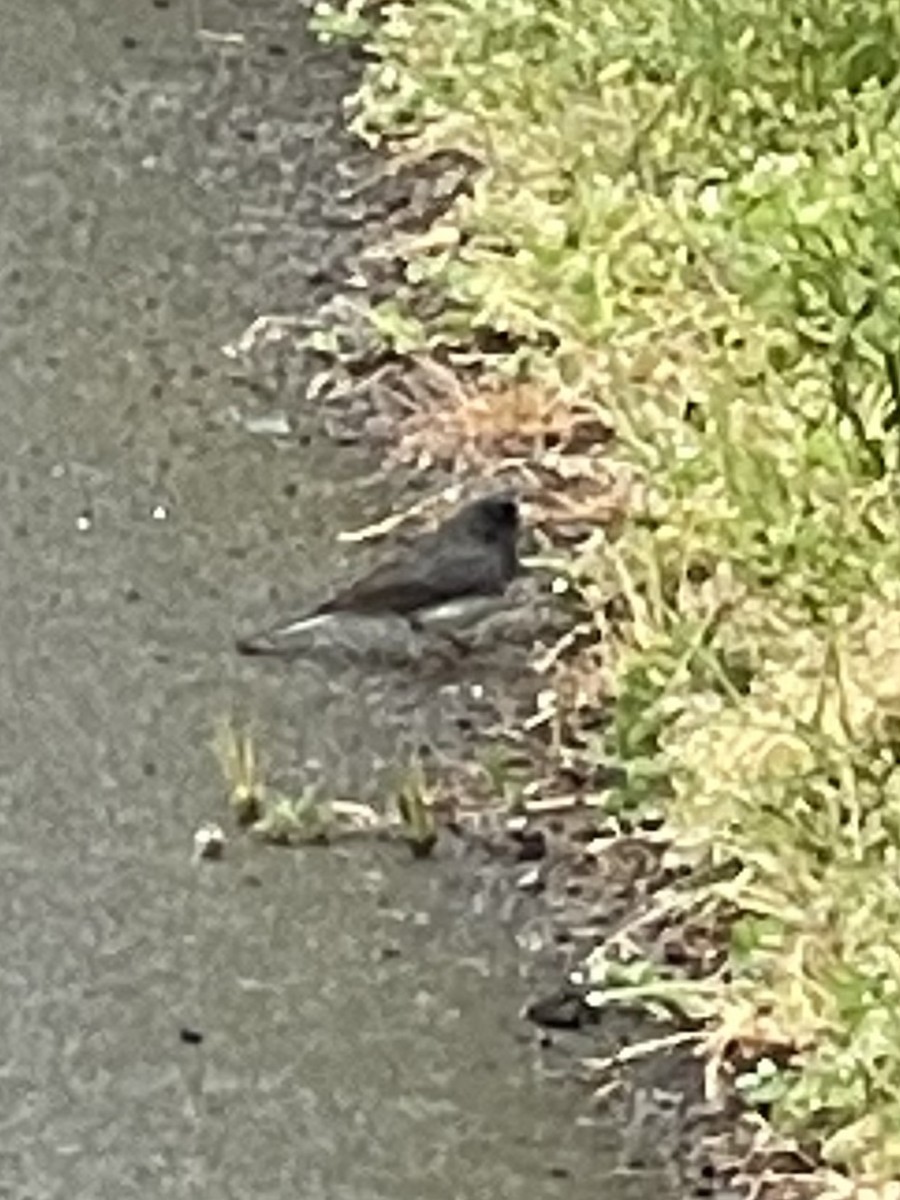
x: 83, y: 523
x: 530, y: 880
x: 531, y: 941
x: 559, y: 585
x: 476, y: 691
x: 160, y: 513
x: 209, y: 842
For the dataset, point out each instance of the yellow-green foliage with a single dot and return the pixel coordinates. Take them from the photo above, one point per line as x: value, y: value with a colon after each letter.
x: 690, y: 212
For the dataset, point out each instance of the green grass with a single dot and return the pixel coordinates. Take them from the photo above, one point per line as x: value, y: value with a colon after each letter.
x: 689, y: 213
x: 314, y: 817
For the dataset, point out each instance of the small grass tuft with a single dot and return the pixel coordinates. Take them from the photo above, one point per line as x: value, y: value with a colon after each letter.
x: 307, y: 819
x: 236, y: 752
x: 415, y: 809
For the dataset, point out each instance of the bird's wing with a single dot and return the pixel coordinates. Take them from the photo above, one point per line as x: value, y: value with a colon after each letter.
x: 439, y: 572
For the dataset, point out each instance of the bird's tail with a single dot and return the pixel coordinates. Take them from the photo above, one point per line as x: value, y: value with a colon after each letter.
x: 286, y: 639
x: 256, y: 644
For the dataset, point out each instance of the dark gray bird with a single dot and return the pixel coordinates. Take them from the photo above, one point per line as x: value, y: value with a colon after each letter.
x: 442, y: 579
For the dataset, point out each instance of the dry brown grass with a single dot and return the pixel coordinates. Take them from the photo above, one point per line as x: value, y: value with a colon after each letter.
x: 503, y: 419
x: 552, y: 444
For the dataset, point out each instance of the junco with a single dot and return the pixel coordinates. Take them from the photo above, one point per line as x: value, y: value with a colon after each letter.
x: 443, y: 580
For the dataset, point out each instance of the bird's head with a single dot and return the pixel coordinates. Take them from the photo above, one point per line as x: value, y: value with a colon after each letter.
x: 492, y: 518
